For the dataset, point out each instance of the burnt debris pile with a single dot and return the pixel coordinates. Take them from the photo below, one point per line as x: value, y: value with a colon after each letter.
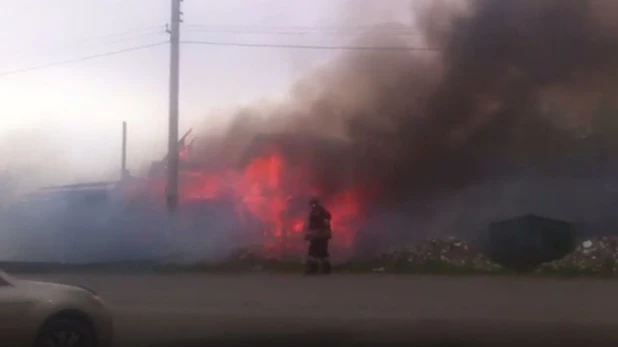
x: 433, y: 252
x: 597, y: 255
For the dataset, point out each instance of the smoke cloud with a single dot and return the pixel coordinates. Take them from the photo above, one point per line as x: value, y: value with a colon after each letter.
x: 510, y: 85
x: 502, y: 105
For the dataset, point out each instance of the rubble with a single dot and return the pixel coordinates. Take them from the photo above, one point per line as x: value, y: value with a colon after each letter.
x: 591, y: 256
x: 597, y: 255
x: 450, y: 252
x: 431, y: 254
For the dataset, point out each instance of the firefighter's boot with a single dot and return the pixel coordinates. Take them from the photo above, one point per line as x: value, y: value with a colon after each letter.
x: 327, y: 268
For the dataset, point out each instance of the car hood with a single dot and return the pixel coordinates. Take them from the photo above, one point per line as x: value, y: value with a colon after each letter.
x: 47, y: 289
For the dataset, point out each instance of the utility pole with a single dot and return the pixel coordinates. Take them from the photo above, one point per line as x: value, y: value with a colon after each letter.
x: 123, y: 163
x: 172, y: 156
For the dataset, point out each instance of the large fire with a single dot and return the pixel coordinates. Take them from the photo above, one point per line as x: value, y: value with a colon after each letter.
x: 274, y: 192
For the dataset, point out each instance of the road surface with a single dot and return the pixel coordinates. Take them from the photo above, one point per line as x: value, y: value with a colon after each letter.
x: 200, y: 309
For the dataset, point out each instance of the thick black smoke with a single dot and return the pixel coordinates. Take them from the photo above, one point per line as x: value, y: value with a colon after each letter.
x: 511, y: 85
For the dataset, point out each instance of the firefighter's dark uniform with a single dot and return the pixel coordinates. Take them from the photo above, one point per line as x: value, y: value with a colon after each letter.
x: 318, y: 235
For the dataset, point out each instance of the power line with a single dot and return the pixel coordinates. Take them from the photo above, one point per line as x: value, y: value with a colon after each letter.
x: 315, y: 47
x: 304, y: 28
x: 115, y: 38
x: 90, y: 57
x: 159, y: 29
x: 140, y: 36
x: 228, y: 44
x: 144, y: 30
x: 298, y: 33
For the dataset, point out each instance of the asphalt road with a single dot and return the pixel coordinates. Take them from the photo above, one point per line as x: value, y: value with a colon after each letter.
x: 260, y: 309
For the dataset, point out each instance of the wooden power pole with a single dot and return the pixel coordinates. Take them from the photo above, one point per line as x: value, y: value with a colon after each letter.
x: 123, y: 163
x: 173, y: 155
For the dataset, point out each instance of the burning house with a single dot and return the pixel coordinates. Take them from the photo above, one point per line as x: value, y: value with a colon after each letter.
x: 262, y: 195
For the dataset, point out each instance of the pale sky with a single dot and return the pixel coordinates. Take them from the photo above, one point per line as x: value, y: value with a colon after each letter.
x: 67, y: 119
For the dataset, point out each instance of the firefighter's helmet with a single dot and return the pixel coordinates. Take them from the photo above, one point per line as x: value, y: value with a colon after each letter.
x: 314, y: 201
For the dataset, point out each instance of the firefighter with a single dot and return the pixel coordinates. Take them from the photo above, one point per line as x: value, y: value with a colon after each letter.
x: 318, y: 235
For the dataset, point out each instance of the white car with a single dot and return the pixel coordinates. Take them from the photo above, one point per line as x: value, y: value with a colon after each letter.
x: 37, y: 314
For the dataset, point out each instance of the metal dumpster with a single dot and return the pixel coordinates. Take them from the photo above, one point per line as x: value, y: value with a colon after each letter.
x: 525, y: 242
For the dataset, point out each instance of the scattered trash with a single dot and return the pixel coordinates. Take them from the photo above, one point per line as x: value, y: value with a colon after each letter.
x: 448, y: 251
x: 596, y: 255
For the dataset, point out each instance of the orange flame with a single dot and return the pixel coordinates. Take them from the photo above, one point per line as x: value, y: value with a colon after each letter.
x: 269, y: 189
